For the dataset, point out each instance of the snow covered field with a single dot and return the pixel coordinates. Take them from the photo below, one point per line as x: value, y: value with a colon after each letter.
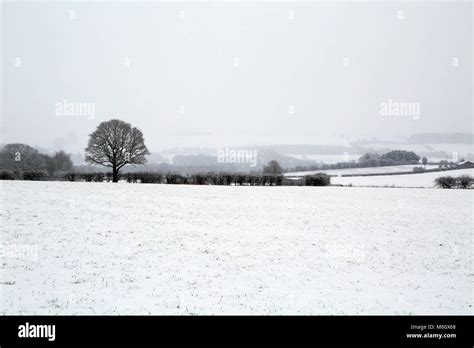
x: 370, y: 170
x: 403, y: 180
x: 165, y: 249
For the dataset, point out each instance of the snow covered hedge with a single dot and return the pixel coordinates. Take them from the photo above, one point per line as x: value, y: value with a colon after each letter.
x: 448, y: 182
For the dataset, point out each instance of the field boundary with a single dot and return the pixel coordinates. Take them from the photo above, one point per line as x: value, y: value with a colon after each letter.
x: 434, y: 170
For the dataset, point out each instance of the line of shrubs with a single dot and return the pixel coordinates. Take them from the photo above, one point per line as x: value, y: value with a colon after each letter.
x: 195, y: 179
x: 317, y: 180
x: 449, y: 182
x: 208, y: 179
x: 34, y: 174
x: 173, y: 178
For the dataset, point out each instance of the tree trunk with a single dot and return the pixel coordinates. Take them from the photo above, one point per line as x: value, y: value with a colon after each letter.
x: 114, y: 173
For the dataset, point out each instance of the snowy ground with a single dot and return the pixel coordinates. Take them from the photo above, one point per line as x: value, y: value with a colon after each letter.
x: 403, y: 180
x: 165, y: 249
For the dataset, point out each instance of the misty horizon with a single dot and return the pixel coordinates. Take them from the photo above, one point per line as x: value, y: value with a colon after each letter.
x: 212, y: 74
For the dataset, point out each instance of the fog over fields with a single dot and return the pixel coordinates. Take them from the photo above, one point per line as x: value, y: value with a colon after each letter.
x: 224, y: 73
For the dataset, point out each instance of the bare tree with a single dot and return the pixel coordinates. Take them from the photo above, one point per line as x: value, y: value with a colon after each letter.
x: 273, y: 167
x: 114, y: 144
x: 424, y: 160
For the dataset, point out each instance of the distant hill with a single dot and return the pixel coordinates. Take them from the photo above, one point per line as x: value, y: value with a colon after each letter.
x: 303, y: 149
x: 441, y: 138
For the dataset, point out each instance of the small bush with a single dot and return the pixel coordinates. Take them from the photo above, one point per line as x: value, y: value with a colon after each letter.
x: 39, y: 174
x: 279, y: 180
x: 317, y: 180
x: 88, y: 177
x: 109, y: 177
x: 215, y: 179
x: 228, y: 179
x: 7, y: 175
x: 271, y: 180
x: 239, y: 179
x: 70, y: 176
x: 445, y: 182
x: 176, y: 179
x: 221, y: 179
x: 199, y: 179
x: 98, y: 177
x: 266, y: 180
x: 465, y: 181
x: 146, y: 178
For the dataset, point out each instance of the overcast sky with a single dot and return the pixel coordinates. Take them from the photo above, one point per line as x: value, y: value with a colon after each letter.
x: 234, y: 73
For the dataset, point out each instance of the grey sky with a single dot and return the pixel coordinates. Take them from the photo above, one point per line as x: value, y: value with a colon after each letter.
x: 234, y: 73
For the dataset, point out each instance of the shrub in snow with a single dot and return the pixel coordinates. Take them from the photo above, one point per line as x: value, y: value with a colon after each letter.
x: 317, y: 180
x: 7, y: 175
x: 70, y: 176
x: 199, y: 179
x: 229, y: 179
x: 176, y: 179
x: 147, y: 178
x: 98, y: 177
x: 239, y: 179
x: 39, y: 174
x: 445, y: 182
x: 219, y: 179
x: 269, y: 180
x: 465, y: 181
x: 279, y: 180
x: 88, y: 177
x: 109, y: 177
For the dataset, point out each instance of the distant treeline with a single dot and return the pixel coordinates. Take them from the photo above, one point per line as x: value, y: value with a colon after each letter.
x: 22, y: 161
x: 391, y: 158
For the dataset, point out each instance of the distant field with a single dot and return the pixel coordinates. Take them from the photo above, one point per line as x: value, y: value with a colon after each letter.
x: 389, y: 169
x: 460, y: 149
x: 106, y: 248
x: 328, y: 159
x: 403, y: 180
